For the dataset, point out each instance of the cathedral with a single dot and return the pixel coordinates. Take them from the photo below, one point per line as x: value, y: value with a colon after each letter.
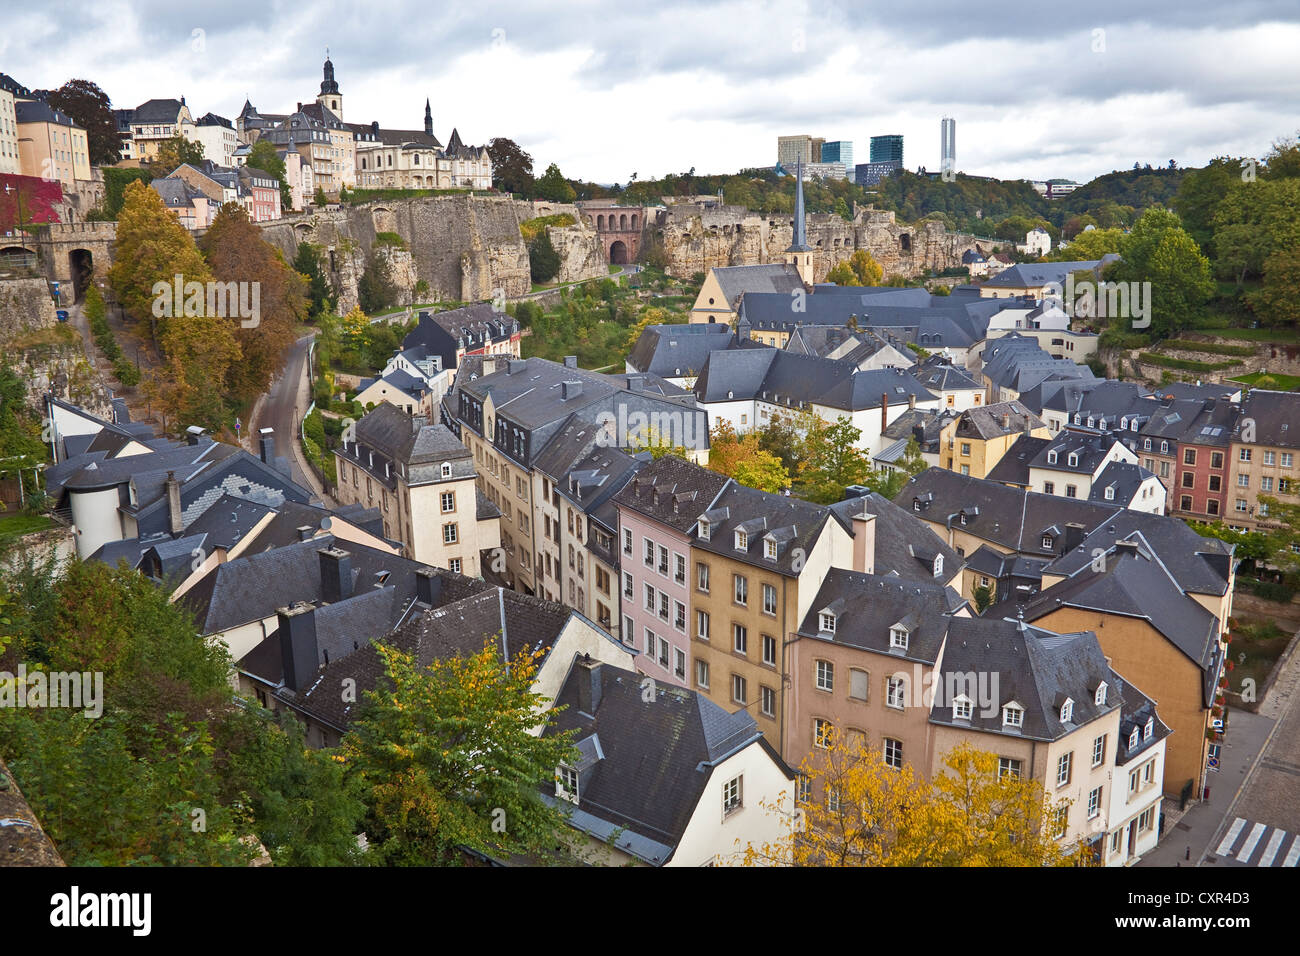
x: 366, y: 156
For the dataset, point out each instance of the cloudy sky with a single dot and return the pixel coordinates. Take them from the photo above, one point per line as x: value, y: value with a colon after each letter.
x: 607, y: 89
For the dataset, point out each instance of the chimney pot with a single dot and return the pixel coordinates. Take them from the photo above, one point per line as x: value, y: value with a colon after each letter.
x: 174, y: 517
x: 266, y: 443
x: 570, y: 361
x: 428, y: 587
x: 588, y: 685
x: 335, y: 574
x: 298, y: 648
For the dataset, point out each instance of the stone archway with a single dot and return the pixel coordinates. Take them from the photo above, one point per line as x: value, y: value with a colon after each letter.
x: 81, y: 266
x: 618, y: 253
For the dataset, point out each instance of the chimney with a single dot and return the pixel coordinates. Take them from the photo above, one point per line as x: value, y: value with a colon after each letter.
x: 193, y: 434
x: 266, y: 443
x: 298, y: 650
x: 335, y: 574
x: 864, y: 542
x: 570, y: 361
x: 636, y: 383
x: 588, y: 673
x: 570, y: 390
x: 516, y: 365
x: 911, y: 400
x: 1074, y: 535
x: 428, y: 587
x: 304, y: 532
x: 1006, y: 421
x: 489, y: 366
x: 1125, y: 547
x: 884, y: 411
x: 174, y: 503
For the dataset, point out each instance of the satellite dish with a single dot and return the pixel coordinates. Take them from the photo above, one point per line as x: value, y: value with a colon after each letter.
x: 325, y: 523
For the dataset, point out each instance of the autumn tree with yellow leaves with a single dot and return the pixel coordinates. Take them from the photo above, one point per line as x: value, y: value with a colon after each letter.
x: 448, y: 757
x: 862, y: 812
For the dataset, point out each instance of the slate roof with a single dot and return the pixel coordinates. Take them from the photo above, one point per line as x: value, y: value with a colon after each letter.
x: 157, y: 111
x: 1123, y: 479
x: 867, y: 606
x: 787, y: 378
x: 175, y: 192
x: 654, y: 759
x: 1200, y: 565
x: 987, y: 421
x: 905, y: 545
x: 1013, y: 467
x: 673, y: 351
x: 735, y: 281
x: 1226, y: 390
x: 946, y: 378
x: 672, y: 491
x: 1276, y: 416
x: 37, y: 111
x: 793, y: 522
x: 401, y: 438
x: 1031, y: 274
x: 1090, y: 452
x: 1035, y: 668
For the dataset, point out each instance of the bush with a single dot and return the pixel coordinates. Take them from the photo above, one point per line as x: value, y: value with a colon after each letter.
x: 1117, y: 339
x: 543, y: 260
x: 126, y: 372
x: 530, y: 229
x: 389, y: 239
x: 94, y: 304
x: 314, y: 428
x: 1187, y: 365
x: 1213, y: 348
x: 1273, y: 591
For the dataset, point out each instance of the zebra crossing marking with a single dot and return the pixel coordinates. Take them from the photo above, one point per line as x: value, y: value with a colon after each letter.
x: 1252, y: 841
x: 1230, y: 837
x: 1270, y: 851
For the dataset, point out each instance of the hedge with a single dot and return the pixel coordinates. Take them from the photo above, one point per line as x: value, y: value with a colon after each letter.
x: 1187, y: 365
x: 1212, y: 348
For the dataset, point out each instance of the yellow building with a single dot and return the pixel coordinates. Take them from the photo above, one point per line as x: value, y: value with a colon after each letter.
x: 156, y: 121
x: 975, y: 441
x: 50, y: 144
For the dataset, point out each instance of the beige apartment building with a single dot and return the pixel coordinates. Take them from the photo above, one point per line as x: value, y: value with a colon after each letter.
x: 975, y: 441
x: 50, y: 144
x: 423, y: 481
x: 1264, y: 457
x: 9, y: 162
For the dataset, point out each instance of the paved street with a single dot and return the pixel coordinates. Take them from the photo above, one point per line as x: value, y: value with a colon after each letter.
x: 281, y: 408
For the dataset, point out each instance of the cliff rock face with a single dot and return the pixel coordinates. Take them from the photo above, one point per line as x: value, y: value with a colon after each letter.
x: 25, y: 306
x: 464, y: 247
x: 582, y: 254
x: 698, y: 237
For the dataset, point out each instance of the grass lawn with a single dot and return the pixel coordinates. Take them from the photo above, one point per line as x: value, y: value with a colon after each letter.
x: 17, y: 524
x: 1253, y: 335
x: 1284, y: 383
x: 1262, y: 643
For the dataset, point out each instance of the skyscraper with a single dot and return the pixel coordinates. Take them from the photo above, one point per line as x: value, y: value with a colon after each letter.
x: 839, y: 151
x: 948, y: 143
x: 887, y: 149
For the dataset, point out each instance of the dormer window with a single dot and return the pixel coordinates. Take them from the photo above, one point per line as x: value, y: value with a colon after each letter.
x: 566, y: 783
x: 1073, y: 460
x: 1133, y: 424
x: 1100, y: 697
x: 1067, y: 710
x: 769, y: 549
x: 1092, y: 422
x: 1164, y: 448
x: 446, y: 469
x: 704, y: 529
x: 1110, y: 493
x: 826, y: 622
x: 1048, y: 541
x: 938, y: 565
x: 1133, y: 739
x: 742, y: 541
x: 961, y: 708
x: 1076, y: 418
x: 1013, y: 715
x: 1149, y: 728
x: 1051, y: 458
x: 898, y: 637
x: 1146, y: 445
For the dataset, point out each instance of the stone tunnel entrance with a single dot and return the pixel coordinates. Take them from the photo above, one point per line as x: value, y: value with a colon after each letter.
x: 81, y: 266
x: 618, y: 253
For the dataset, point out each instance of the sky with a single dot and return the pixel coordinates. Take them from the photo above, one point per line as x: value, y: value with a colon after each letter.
x: 609, y: 89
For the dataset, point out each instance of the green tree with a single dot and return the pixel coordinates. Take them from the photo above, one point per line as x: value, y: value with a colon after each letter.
x: 319, y: 197
x: 1089, y: 245
x: 376, y: 290
x: 763, y: 471
x: 175, y: 152
x: 90, y: 106
x: 512, y: 167
x: 1252, y: 222
x: 321, y: 297
x: 842, y: 274
x: 1276, y: 301
x: 1158, y: 250
x: 867, y: 269
x: 446, y: 751
x: 553, y: 186
x: 543, y: 260
x: 832, y: 461
x: 1199, y: 196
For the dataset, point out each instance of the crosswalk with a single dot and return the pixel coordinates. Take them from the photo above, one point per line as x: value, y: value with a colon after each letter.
x: 1241, y: 852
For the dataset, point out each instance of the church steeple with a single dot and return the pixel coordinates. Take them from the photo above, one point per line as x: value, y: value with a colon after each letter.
x: 428, y: 119
x: 328, y: 84
x: 800, y: 253
x: 329, y: 96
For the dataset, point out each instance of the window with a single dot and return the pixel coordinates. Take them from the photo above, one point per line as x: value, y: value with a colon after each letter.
x: 1216, y: 459
x: 769, y: 549
x: 805, y: 788
x: 663, y: 560
x: 703, y: 525
x: 651, y: 643
x: 1148, y: 772
x: 1063, y: 769
x: 1099, y: 750
x: 832, y: 800
x: 821, y: 733
x: 448, y: 501
x: 1244, y: 455
x: 1116, y: 840
x: 769, y: 650
x: 1067, y: 710
x: 965, y: 448
x: 825, y: 676
x: 1185, y: 502
x: 1049, y: 487
x: 1149, y: 728
x: 894, y: 753
x: 732, y: 794
x: 566, y: 783
x: 1008, y: 767
x: 1099, y: 698
x: 741, y: 589
x: 1189, y: 456
x: 739, y: 688
x: 1243, y: 481
x: 961, y: 708
x: 898, y: 637
x: 1189, y: 480
x: 629, y: 631
x: 679, y: 616
x: 1146, y: 818
x: 740, y: 638
x: 1287, y: 459
x: 1266, y: 483
x: 663, y: 605
x: 449, y: 534
x: 1133, y: 739
x: 454, y: 565
x: 627, y: 541
x: 1146, y: 445
x: 859, y: 681
x: 826, y: 622
x: 742, y: 541
x: 702, y: 577
x: 965, y: 469
x: 896, y: 692
x: 1060, y: 822
x: 664, y: 649
x: 1071, y: 491
x: 1047, y: 541
x: 627, y: 583
x: 767, y: 698
x: 650, y: 598
x: 1110, y: 493
x: 679, y: 568
x: 1216, y: 483
x: 702, y: 674
x: 649, y: 558
x: 1269, y: 457
x: 769, y: 600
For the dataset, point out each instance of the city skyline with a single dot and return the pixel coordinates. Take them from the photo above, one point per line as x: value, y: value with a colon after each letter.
x: 664, y: 97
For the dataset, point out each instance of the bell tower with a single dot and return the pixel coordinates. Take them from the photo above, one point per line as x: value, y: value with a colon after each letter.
x: 330, y: 97
x: 800, y: 253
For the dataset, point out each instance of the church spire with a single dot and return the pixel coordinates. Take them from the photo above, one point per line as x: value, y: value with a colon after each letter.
x: 800, y: 240
x: 428, y: 119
